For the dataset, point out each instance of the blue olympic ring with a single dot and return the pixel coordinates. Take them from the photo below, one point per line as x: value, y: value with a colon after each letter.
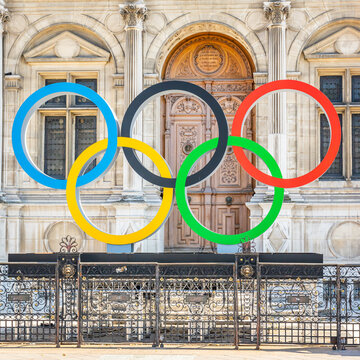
x: 28, y: 108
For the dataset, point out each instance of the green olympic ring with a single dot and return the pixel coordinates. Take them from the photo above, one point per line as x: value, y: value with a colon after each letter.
x: 182, y: 200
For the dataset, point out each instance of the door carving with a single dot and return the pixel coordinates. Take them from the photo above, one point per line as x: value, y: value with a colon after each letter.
x: 221, y: 67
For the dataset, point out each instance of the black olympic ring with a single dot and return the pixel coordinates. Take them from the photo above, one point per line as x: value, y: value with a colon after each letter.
x: 166, y: 87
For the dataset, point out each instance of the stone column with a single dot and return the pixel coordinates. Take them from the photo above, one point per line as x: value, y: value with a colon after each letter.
x: 277, y: 12
x: 134, y: 13
x: 4, y: 17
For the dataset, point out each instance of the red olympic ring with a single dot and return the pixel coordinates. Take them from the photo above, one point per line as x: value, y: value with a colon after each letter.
x: 330, y: 112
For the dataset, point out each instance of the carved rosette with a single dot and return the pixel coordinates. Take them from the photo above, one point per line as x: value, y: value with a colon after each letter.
x: 134, y: 14
x: 277, y: 11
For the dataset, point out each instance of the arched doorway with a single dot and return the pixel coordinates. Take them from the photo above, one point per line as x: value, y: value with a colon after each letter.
x: 222, y: 67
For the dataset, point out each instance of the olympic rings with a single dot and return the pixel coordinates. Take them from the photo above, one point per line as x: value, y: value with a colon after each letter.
x: 184, y: 208
x: 73, y: 198
x: 28, y: 108
x: 281, y: 85
x: 76, y: 178
x: 163, y: 88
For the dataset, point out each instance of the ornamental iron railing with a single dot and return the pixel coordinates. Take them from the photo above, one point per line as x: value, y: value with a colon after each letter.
x: 244, y: 302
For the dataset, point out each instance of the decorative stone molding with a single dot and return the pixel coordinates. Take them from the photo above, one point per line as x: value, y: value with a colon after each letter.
x: 118, y: 80
x: 155, y: 22
x: 277, y: 11
x: 57, y: 19
x: 66, y: 47
x: 343, y: 241
x: 17, y: 24
x: 151, y: 79
x: 12, y: 82
x: 134, y: 14
x: 61, y: 234
x: 277, y: 238
x: 260, y: 78
x: 115, y: 23
x: 160, y: 49
x: 297, y: 19
x: 293, y: 75
x: 344, y: 43
x: 255, y: 20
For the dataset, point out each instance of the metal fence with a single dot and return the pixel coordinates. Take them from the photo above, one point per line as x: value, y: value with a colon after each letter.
x: 244, y: 302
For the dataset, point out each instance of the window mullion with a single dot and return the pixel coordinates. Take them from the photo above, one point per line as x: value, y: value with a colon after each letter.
x: 347, y: 87
x: 68, y: 142
x: 347, y: 143
x: 347, y: 127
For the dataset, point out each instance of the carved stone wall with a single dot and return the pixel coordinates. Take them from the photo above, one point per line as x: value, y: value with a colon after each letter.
x: 89, y: 36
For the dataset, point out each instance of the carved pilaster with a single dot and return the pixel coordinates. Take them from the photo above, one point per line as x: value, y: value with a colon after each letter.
x: 277, y: 12
x: 4, y: 17
x: 134, y: 14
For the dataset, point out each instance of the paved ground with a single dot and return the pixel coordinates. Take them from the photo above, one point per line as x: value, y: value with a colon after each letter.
x: 136, y: 352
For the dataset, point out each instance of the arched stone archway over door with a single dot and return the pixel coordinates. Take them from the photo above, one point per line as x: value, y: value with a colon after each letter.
x: 222, y: 67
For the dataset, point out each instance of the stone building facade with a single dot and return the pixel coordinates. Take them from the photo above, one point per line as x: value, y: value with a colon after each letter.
x: 229, y: 48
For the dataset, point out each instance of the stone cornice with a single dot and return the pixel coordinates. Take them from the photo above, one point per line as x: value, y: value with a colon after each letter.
x: 277, y: 11
x: 134, y: 14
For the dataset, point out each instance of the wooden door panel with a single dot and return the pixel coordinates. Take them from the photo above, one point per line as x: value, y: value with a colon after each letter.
x: 181, y: 237
x: 221, y: 67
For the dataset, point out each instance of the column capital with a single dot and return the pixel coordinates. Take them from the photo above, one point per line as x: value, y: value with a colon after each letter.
x: 4, y: 14
x: 134, y: 14
x: 277, y: 11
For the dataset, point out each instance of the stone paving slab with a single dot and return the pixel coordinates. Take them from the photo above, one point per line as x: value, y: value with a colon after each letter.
x: 181, y: 352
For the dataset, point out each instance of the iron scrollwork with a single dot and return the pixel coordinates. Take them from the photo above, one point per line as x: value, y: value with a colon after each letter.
x: 177, y: 302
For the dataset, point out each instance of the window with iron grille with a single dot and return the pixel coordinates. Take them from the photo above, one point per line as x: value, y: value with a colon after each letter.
x: 342, y: 87
x: 55, y: 146
x: 355, y: 88
x: 85, y: 135
x: 70, y: 126
x: 355, y: 122
x: 336, y: 169
x: 58, y: 101
x: 331, y: 86
x: 90, y: 83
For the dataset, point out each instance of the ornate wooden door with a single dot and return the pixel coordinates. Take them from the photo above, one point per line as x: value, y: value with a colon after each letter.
x: 221, y: 67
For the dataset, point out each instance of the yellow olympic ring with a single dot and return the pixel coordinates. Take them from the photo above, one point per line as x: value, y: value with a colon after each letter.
x: 73, y: 197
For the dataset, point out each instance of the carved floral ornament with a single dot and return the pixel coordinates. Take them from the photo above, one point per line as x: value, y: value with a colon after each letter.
x: 187, y: 106
x: 230, y: 104
x: 277, y: 11
x: 134, y: 14
x: 4, y: 15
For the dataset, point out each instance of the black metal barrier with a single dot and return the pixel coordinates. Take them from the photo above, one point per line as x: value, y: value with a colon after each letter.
x: 239, y: 302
